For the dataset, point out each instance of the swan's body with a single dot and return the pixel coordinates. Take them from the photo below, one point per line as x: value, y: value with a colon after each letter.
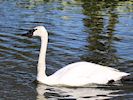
x: 82, y: 74
x: 75, y: 74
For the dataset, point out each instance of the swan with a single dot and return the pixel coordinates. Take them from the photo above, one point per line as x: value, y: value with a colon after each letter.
x: 74, y: 75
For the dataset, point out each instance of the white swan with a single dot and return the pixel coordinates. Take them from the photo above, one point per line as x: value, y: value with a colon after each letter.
x: 76, y: 74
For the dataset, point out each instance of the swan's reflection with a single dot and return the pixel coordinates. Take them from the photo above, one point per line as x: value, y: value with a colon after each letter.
x: 47, y: 92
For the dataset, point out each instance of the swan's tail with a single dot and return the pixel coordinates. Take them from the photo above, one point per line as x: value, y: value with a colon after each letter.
x: 127, y: 77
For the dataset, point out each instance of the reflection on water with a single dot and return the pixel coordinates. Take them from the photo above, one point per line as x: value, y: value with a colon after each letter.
x: 101, y: 31
x: 90, y: 30
x: 92, y: 93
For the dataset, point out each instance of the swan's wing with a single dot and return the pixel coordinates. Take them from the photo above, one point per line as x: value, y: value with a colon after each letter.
x: 83, y: 73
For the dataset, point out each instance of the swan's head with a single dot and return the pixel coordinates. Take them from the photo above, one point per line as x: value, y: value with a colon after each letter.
x: 37, y: 31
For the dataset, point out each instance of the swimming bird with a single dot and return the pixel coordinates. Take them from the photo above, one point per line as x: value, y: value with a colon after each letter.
x: 77, y: 74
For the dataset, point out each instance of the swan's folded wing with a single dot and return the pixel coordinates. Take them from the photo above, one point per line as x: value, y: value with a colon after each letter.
x: 82, y: 73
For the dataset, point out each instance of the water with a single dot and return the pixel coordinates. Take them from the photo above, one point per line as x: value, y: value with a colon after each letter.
x: 79, y: 30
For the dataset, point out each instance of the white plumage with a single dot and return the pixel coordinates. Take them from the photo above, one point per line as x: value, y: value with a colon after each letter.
x: 76, y: 74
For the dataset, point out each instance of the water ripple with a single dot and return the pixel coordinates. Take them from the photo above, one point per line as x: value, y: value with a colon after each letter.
x: 99, y: 32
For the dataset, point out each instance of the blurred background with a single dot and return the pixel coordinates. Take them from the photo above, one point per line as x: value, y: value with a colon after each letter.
x: 98, y: 31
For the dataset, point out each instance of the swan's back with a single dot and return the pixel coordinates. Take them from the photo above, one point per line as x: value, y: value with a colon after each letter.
x: 82, y: 73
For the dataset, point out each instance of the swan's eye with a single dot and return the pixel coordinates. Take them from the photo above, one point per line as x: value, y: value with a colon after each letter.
x: 34, y: 29
x: 31, y: 31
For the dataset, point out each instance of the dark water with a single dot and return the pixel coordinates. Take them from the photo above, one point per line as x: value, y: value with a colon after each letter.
x: 92, y: 30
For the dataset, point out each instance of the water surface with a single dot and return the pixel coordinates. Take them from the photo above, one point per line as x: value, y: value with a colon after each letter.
x: 79, y: 30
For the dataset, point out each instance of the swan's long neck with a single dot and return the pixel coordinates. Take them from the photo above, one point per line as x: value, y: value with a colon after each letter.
x: 41, y: 68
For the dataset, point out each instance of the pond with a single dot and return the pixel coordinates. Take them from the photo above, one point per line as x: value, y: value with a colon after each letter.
x: 79, y: 30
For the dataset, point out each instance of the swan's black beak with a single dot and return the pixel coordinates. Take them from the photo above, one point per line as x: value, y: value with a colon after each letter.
x: 29, y: 33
